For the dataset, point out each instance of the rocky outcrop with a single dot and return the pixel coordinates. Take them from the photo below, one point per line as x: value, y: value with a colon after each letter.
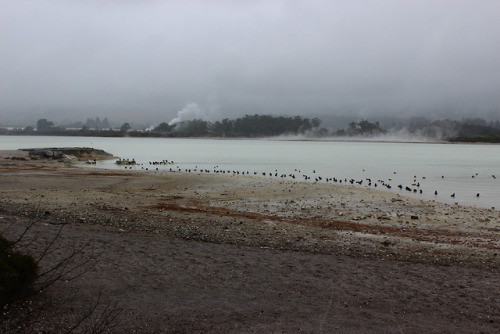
x: 56, y: 153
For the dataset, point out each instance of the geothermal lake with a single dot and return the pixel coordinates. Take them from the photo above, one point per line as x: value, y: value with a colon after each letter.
x: 463, y: 169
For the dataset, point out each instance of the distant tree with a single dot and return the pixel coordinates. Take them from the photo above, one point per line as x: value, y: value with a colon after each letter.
x: 105, y: 123
x: 194, y: 128
x: 363, y: 128
x: 316, y: 122
x: 216, y: 129
x: 222, y: 129
x: 98, y: 123
x: 475, y: 121
x: 164, y: 128
x: 90, y: 123
x: 495, y: 125
x: 43, y: 125
x: 125, y: 127
x: 29, y: 128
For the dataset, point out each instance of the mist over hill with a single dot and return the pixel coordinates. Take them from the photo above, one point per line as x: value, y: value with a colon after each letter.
x: 259, y: 126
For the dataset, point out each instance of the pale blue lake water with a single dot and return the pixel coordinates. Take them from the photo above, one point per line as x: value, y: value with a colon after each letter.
x: 447, y: 168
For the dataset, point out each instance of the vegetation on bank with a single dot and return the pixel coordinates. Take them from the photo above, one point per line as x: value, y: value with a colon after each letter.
x: 248, y: 126
x: 254, y: 126
x: 477, y: 139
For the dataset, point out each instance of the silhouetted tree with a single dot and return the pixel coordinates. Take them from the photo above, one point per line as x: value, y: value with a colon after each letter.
x: 125, y: 127
x: 164, y: 128
x: 90, y: 123
x: 194, y: 128
x: 43, y: 125
x: 98, y: 123
x: 105, y: 123
x: 316, y: 122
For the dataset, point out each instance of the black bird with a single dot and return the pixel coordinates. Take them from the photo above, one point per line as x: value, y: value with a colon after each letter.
x: 477, y: 195
x: 453, y: 195
x: 435, y: 192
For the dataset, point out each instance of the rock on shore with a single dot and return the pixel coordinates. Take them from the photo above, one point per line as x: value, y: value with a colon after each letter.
x: 80, y: 153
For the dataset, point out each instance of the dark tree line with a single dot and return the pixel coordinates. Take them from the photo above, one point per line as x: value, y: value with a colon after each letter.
x: 247, y: 126
x: 362, y: 128
x: 253, y: 126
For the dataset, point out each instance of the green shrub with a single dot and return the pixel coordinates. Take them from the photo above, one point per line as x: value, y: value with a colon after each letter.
x: 18, y: 272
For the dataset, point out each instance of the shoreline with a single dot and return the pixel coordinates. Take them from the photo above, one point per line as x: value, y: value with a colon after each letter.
x: 327, y: 213
x: 285, y: 138
x: 185, y: 252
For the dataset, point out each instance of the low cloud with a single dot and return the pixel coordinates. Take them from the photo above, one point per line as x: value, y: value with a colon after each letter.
x: 145, y: 60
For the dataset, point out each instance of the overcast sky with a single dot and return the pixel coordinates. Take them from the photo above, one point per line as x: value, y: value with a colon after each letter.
x: 132, y: 60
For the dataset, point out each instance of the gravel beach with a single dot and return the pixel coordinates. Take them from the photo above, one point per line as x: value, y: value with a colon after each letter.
x: 198, y: 252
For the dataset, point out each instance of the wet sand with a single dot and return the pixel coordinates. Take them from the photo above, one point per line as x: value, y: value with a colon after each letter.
x: 186, y: 252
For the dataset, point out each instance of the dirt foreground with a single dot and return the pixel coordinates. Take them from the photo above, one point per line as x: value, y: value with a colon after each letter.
x: 197, y: 252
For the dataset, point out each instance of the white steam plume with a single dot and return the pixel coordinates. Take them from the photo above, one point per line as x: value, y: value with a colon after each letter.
x: 193, y: 111
x: 189, y: 112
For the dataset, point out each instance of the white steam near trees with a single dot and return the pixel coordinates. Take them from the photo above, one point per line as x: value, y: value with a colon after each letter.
x: 191, y: 111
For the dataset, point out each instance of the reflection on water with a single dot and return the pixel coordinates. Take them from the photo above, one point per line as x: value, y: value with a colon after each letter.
x: 460, y: 169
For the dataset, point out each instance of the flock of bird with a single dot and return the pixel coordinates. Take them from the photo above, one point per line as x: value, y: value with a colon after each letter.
x: 413, y: 187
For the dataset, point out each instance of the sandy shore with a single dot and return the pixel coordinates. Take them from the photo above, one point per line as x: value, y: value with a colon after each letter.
x: 186, y: 252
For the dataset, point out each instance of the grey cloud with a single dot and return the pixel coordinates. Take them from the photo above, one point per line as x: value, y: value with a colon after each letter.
x: 149, y: 59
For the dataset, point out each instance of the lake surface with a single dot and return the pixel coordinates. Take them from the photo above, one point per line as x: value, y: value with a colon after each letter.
x: 462, y: 169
